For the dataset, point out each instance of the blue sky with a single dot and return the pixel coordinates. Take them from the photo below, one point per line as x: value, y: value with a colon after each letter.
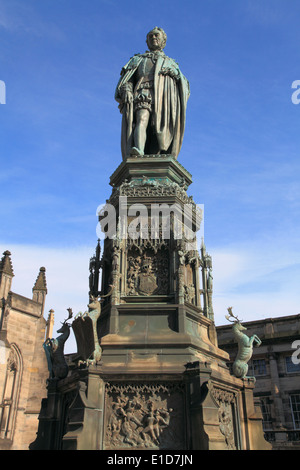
x: 60, y: 138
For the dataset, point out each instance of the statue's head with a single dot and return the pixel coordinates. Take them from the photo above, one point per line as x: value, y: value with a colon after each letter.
x: 94, y: 303
x: 156, y: 39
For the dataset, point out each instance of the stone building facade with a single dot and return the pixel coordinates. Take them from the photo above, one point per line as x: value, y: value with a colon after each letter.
x: 23, y: 365
x: 275, y: 365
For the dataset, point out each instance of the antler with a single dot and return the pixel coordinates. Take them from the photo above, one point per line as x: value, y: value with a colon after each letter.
x: 70, y: 314
x: 231, y: 316
x: 107, y: 295
x: 69, y: 317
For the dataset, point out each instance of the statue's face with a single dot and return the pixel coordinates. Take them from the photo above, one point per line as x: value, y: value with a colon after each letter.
x: 155, y: 40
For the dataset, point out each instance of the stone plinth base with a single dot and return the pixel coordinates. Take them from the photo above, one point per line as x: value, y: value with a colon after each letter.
x: 159, y: 167
x: 195, y: 410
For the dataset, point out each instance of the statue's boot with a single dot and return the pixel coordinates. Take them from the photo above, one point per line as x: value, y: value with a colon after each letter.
x: 136, y: 152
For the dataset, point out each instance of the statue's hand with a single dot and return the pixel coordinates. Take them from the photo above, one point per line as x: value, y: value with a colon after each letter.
x: 169, y: 71
x: 127, y: 93
x: 128, y: 97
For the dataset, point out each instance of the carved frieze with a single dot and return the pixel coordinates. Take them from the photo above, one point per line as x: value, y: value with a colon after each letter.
x: 146, y: 187
x: 144, y: 416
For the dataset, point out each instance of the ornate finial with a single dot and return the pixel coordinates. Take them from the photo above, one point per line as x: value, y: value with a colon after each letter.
x: 95, y: 265
x: 98, y: 249
x: 40, y: 283
x: 203, y: 248
x: 50, y: 324
x: 6, y: 264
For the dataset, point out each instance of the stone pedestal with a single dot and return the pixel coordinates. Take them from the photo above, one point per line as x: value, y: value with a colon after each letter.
x: 162, y: 382
x: 194, y: 410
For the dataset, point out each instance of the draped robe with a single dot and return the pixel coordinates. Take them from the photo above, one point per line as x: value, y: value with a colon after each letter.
x: 168, y: 109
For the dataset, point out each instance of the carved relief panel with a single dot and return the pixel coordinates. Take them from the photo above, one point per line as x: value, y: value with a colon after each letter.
x: 228, y: 424
x: 147, y: 272
x: 149, y: 416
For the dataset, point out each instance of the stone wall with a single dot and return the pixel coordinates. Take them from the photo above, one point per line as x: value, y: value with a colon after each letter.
x: 23, y: 364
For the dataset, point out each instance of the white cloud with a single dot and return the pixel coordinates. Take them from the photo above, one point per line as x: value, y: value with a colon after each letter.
x: 252, y: 307
x: 67, y: 274
x: 259, y: 279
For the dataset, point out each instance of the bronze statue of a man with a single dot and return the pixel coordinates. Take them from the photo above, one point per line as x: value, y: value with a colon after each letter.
x: 153, y: 95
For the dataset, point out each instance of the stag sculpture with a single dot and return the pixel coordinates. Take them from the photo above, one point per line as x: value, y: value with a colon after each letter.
x: 245, y: 346
x: 54, y: 349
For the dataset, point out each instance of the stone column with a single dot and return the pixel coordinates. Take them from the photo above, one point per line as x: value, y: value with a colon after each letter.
x: 277, y: 399
x: 85, y: 416
x: 252, y: 419
x: 49, y: 431
x: 204, y: 412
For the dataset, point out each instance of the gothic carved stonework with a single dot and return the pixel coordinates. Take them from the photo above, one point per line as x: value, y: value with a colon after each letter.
x: 226, y: 425
x: 148, y: 416
x: 226, y: 401
x: 151, y: 188
x: 147, y: 281
x: 147, y: 273
x: 6, y: 308
x: 189, y: 293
